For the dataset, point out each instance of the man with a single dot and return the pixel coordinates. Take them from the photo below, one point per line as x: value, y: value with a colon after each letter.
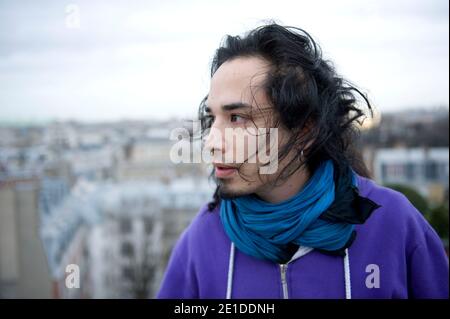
x: 315, y: 227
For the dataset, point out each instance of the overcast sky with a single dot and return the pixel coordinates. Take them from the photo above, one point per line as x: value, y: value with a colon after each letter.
x: 150, y: 59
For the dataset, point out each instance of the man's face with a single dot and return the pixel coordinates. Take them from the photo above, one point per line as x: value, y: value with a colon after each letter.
x: 237, y: 101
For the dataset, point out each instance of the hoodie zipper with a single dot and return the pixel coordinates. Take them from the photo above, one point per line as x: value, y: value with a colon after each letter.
x: 283, y: 270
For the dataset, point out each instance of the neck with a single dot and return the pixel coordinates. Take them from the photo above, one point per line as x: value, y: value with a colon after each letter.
x: 290, y: 187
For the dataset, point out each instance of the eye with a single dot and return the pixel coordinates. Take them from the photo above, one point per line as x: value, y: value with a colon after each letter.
x: 237, y: 118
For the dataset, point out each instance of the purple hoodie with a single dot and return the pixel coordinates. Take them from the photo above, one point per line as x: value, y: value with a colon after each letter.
x: 396, y: 254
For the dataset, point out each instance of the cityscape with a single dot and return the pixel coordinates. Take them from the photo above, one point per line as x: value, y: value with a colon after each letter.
x: 92, y: 201
x: 104, y: 197
x: 107, y: 198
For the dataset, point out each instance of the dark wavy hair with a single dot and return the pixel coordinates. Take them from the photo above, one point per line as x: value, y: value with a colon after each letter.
x: 305, y: 91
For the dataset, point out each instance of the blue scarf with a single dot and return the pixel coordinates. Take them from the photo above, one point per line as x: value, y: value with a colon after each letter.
x: 268, y: 231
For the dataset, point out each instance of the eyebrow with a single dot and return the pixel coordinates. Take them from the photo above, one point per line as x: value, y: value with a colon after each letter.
x: 231, y: 107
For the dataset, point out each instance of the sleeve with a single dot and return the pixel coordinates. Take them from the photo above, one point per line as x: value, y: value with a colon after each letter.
x: 428, y: 269
x: 179, y: 281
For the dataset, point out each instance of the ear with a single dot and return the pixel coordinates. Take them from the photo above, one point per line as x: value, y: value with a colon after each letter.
x: 307, y: 129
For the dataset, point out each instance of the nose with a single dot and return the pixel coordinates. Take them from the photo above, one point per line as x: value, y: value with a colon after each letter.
x: 214, y: 143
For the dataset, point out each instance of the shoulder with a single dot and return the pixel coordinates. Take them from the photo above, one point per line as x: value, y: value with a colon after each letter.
x: 396, y: 215
x: 205, y: 229
x: 205, y: 219
x: 395, y: 205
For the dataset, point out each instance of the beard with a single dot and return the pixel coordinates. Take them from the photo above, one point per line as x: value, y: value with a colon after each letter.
x: 231, y: 188
x: 226, y: 191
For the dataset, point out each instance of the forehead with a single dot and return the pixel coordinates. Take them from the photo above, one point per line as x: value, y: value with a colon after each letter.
x: 238, y: 80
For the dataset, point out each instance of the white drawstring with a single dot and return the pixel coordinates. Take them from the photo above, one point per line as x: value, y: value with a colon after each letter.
x: 348, y: 282
x: 230, y: 272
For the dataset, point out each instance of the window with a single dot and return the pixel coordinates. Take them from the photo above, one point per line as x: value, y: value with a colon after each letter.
x: 383, y: 171
x: 125, y: 226
x: 431, y: 170
x: 128, y: 273
x: 127, y: 249
x: 410, y: 171
x: 148, y: 225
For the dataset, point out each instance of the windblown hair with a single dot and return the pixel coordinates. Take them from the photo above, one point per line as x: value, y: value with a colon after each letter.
x: 308, y: 97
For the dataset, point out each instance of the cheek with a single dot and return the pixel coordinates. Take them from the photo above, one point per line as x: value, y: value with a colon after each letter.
x: 244, y: 146
x: 250, y: 171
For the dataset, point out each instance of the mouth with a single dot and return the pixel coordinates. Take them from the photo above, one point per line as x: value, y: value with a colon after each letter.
x: 224, y: 171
